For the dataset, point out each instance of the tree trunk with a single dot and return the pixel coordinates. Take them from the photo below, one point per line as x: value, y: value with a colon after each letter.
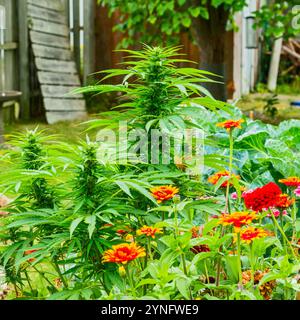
x: 274, y: 65
x: 210, y: 38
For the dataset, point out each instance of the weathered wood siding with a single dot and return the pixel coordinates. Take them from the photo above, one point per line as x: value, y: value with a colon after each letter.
x: 54, y: 62
x: 11, y: 57
x: 11, y: 45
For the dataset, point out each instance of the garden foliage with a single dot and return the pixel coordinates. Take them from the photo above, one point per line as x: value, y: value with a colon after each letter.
x: 78, y: 228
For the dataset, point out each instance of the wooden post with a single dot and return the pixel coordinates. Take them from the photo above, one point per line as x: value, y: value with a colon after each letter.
x: 274, y: 66
x: 67, y: 10
x: 76, y: 32
x: 24, y: 60
x: 89, y: 43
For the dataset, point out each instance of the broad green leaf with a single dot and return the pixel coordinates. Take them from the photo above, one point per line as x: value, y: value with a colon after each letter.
x: 74, y: 225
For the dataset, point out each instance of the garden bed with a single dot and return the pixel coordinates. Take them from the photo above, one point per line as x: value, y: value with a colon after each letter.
x: 213, y: 214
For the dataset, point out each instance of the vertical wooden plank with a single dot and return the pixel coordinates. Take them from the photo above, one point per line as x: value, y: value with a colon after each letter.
x: 1, y: 124
x: 89, y: 49
x: 237, y: 57
x: 8, y: 112
x: 76, y: 32
x: 103, y: 40
x: 24, y: 60
x: 229, y: 61
x: 8, y: 55
x: 67, y: 10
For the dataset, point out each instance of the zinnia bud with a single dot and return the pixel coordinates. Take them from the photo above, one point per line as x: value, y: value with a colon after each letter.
x: 176, y: 199
x: 122, y: 271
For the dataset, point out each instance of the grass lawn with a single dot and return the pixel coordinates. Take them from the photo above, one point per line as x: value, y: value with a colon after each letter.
x: 69, y: 131
x: 72, y: 131
x: 256, y: 102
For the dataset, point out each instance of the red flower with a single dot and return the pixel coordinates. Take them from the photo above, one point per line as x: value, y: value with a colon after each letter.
x: 262, y: 198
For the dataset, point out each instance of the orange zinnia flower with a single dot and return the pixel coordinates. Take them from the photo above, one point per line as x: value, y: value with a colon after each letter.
x: 218, y: 175
x: 291, y: 181
x: 251, y: 233
x: 163, y: 193
x: 284, y: 201
x: 148, y: 231
x: 230, y: 124
x: 124, y: 252
x: 237, y: 219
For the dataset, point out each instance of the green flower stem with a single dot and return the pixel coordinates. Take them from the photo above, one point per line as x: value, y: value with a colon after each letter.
x: 176, y: 221
x: 42, y: 274
x: 149, y: 248
x: 191, y: 215
x: 56, y: 266
x: 146, y: 261
x: 130, y: 280
x: 281, y: 219
x: 185, y: 271
x: 207, y: 276
x: 294, y: 220
x: 27, y: 278
x: 16, y: 290
x: 239, y: 257
x: 227, y: 205
x: 252, y: 263
x: 282, y: 233
x: 145, y: 266
x: 218, y: 273
x: 184, y: 264
x: 177, y: 234
x: 206, y: 271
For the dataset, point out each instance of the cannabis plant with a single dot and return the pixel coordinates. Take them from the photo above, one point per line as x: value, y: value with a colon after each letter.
x: 30, y: 170
x: 155, y: 92
x: 269, y: 108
